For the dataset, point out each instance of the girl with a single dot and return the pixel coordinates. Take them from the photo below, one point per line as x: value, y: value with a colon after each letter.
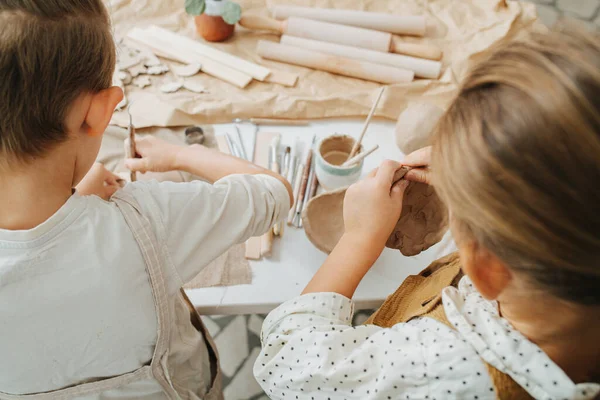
x: 517, y: 160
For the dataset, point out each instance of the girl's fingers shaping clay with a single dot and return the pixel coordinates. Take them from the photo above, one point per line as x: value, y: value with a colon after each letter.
x: 422, y: 175
x: 386, y: 172
x: 418, y: 158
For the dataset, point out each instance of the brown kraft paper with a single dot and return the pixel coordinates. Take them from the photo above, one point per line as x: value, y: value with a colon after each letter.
x: 462, y: 29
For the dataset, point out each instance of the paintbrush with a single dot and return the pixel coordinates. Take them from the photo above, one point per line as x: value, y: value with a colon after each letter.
x: 366, y: 125
x: 359, y: 157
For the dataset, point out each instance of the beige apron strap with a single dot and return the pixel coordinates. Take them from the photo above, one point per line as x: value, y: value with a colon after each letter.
x: 148, y: 244
x: 144, y: 236
x: 86, y: 388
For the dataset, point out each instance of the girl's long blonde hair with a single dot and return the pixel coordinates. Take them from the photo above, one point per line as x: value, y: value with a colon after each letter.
x: 517, y: 159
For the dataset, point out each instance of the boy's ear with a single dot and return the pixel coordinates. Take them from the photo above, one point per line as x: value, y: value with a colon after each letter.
x: 487, y: 272
x: 101, y: 109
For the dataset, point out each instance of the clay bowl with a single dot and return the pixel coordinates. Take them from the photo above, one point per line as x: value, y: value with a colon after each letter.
x: 323, y: 220
x: 423, y: 221
x: 213, y: 28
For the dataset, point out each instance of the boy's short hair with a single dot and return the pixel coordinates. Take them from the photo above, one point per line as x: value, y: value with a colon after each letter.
x: 51, y: 51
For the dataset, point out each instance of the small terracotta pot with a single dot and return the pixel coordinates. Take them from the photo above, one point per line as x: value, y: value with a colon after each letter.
x: 213, y: 28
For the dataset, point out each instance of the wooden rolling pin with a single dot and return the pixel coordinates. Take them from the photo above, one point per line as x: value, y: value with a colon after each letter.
x: 422, y: 68
x: 402, y: 25
x: 334, y: 64
x: 341, y: 34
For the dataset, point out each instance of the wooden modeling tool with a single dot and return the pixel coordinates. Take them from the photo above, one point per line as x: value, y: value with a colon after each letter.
x: 341, y: 34
x: 359, y: 157
x: 297, y: 188
x: 334, y: 64
x: 299, y: 173
x: 275, y: 167
x: 366, y: 125
x: 132, y: 146
x: 312, y: 189
x: 276, y: 121
x: 403, y: 25
x: 304, y: 184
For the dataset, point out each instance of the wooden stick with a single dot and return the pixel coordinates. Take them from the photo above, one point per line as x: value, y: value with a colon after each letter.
x: 179, y: 52
x: 132, y: 147
x: 278, y: 121
x: 284, y: 78
x: 304, y: 182
x: 275, y: 167
x: 256, y: 71
x: 426, y: 51
x: 366, y: 126
x: 297, y: 187
x: 359, y: 157
x: 312, y: 177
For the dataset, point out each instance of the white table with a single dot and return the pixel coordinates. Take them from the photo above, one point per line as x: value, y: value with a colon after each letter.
x: 295, y: 260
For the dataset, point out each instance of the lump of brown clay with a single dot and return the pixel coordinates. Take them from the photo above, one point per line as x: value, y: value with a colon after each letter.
x: 415, y: 126
x: 422, y: 223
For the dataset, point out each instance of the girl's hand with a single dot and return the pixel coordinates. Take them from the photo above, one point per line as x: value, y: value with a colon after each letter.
x: 372, y: 206
x: 156, y: 155
x: 420, y: 161
x: 98, y: 181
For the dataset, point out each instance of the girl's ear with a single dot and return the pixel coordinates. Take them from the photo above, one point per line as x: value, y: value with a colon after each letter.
x: 487, y: 272
x: 101, y: 109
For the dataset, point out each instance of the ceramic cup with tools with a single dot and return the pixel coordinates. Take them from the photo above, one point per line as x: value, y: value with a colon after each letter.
x: 331, y: 153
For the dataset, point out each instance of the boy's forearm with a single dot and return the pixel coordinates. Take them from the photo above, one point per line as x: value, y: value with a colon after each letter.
x: 345, y: 267
x: 213, y: 165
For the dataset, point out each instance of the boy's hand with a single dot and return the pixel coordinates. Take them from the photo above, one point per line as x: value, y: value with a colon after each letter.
x: 419, y: 160
x: 372, y: 206
x: 99, y: 181
x: 156, y: 155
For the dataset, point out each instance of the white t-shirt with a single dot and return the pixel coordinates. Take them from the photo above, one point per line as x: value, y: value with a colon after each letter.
x: 75, y: 299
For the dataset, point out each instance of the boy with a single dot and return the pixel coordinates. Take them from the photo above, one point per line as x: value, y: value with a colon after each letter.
x: 90, y: 305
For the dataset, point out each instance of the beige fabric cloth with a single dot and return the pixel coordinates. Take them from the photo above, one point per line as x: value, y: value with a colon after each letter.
x: 461, y: 28
x: 229, y: 269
